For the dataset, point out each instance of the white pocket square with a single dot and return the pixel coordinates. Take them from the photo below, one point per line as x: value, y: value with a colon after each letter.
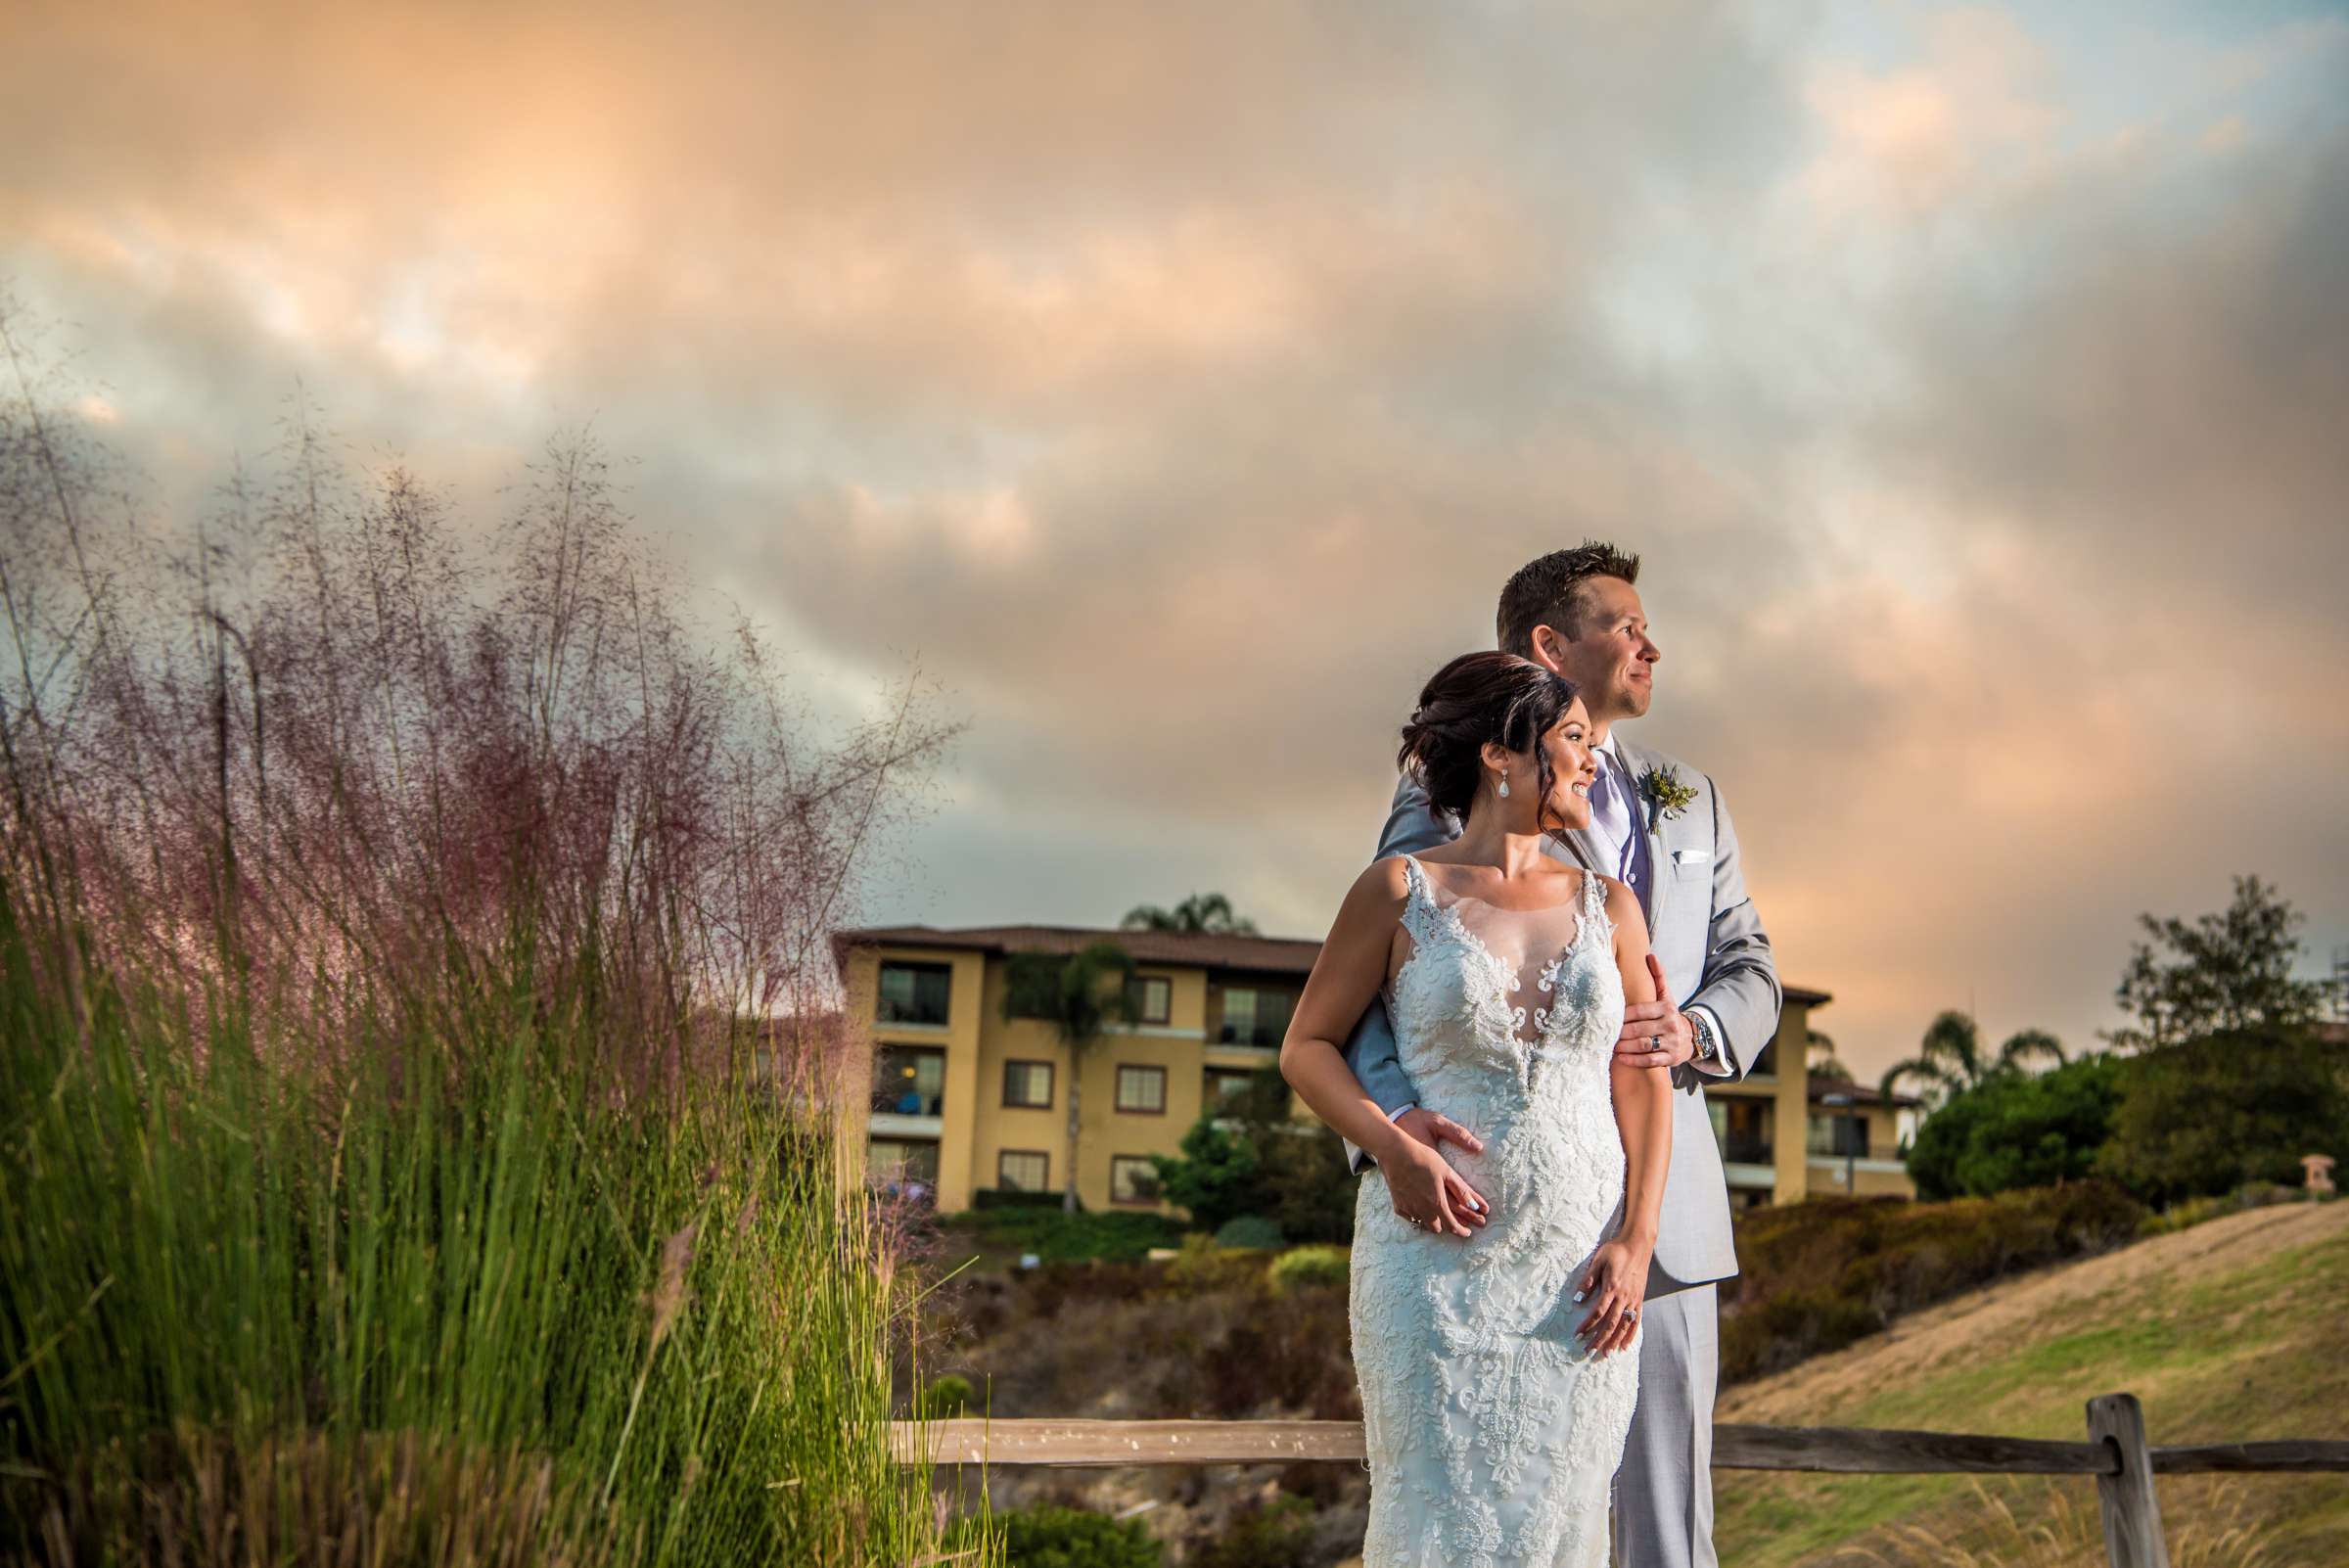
x: 1690, y: 857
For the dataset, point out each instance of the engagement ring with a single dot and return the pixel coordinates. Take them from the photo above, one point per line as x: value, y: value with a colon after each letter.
x: 1655, y: 1042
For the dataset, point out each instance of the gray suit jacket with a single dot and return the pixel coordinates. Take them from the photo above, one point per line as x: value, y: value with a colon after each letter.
x: 1706, y: 933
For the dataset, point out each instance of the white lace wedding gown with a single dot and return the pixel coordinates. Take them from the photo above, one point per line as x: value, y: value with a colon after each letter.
x: 1493, y: 1433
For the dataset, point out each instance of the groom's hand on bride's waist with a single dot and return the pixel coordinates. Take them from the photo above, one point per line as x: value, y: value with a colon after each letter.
x: 1655, y: 1034
x: 1424, y: 1187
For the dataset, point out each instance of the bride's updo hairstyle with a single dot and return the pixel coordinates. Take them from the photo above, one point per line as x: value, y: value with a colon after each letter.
x: 1476, y: 697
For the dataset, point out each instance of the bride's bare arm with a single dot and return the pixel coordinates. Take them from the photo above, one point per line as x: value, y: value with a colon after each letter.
x: 1346, y: 977
x: 1643, y: 1117
x: 1353, y: 964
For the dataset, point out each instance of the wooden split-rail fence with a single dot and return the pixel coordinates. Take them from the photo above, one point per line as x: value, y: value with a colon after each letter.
x: 2115, y: 1453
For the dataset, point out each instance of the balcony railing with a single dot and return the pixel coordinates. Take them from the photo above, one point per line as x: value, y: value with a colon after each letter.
x: 1747, y: 1148
x: 1819, y: 1150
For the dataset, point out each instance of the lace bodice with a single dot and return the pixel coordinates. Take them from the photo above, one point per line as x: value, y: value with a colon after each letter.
x: 1539, y: 986
x: 1492, y: 1433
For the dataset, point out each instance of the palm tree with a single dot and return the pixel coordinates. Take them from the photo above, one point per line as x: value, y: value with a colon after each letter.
x: 1949, y: 1059
x: 1080, y: 994
x: 1824, y: 1063
x: 1207, y: 912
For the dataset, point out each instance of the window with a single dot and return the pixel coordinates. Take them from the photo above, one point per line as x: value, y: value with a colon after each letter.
x: 915, y: 993
x: 1028, y: 1084
x: 1142, y: 1089
x: 1227, y: 1087
x: 1255, y: 1016
x: 1150, y: 996
x: 909, y: 1081
x: 897, y: 1160
x: 1132, y: 1179
x: 1023, y: 1170
x: 1843, y: 1136
x: 1745, y: 1131
x: 1766, y: 1062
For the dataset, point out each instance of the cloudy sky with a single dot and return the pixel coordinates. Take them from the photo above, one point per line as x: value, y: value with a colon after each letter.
x: 1179, y: 382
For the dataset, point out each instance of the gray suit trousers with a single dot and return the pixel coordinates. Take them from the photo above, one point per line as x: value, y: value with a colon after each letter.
x: 1664, y: 1489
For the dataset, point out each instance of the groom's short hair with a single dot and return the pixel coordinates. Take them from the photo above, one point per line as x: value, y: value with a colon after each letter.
x: 1547, y: 593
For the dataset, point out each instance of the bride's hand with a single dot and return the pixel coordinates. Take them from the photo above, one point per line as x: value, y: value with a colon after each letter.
x: 1427, y: 1190
x: 1618, y: 1280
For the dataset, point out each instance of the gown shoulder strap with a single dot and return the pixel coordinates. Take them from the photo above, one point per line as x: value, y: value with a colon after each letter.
x: 1420, y: 906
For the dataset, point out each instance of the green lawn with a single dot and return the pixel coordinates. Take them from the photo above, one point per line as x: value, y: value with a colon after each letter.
x: 2217, y: 1348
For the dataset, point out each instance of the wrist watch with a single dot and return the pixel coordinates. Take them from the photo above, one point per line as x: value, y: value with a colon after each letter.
x: 1707, y: 1049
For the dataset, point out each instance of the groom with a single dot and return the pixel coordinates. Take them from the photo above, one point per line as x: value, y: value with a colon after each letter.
x: 1660, y: 827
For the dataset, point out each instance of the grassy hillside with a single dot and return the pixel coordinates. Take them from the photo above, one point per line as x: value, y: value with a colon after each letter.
x: 2230, y: 1331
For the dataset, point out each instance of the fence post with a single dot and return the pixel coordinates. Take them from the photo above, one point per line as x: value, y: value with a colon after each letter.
x: 2131, y: 1513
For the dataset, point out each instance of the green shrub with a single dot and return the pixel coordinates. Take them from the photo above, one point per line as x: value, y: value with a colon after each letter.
x: 1019, y: 1198
x: 1111, y: 1236
x: 1250, y: 1231
x: 946, y: 1398
x: 2189, y: 1212
x: 1302, y: 1267
x: 1305, y: 1181
x: 1815, y: 1276
x: 1278, y: 1535
x: 1048, y: 1535
x: 1203, y: 1264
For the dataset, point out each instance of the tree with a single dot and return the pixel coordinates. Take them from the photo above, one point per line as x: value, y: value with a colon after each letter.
x: 2208, y: 1114
x: 1248, y: 1156
x: 1202, y: 913
x: 1216, y: 1178
x: 1824, y: 1063
x: 2015, y: 1130
x: 2230, y: 972
x: 1080, y: 994
x: 1949, y: 1059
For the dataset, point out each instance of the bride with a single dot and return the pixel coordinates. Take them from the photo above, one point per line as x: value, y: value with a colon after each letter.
x: 1498, y: 1366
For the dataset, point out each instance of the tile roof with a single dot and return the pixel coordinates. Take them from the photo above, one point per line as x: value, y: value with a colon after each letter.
x: 1204, y: 949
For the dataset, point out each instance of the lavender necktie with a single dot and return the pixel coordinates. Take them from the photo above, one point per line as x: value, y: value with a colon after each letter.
x: 1611, y: 811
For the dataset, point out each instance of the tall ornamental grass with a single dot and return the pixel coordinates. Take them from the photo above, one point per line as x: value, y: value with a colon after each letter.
x: 415, y: 1064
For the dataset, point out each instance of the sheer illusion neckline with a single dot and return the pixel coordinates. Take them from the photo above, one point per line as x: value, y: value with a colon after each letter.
x: 1542, y: 954
x: 1578, y: 900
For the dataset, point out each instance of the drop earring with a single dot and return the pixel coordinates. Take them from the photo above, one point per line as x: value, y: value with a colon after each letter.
x: 1504, y: 786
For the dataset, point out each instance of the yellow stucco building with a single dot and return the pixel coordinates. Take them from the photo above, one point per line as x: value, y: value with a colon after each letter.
x: 964, y: 1100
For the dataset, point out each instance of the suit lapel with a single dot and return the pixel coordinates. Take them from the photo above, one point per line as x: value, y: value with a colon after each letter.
x: 1586, y: 852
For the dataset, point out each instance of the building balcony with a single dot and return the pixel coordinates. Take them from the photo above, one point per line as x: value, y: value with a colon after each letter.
x: 910, y: 1091
x: 1746, y: 1148
x: 1819, y: 1150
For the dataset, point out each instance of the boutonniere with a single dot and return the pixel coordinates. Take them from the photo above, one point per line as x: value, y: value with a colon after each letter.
x: 1666, y: 796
